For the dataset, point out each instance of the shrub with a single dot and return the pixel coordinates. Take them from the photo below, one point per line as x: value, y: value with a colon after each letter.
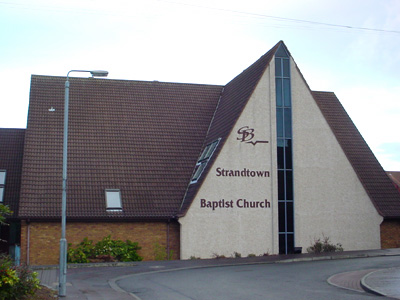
x: 324, y: 245
x: 237, y: 254
x: 217, y: 256
x: 160, y: 253
x: 16, y: 282
x: 106, y: 249
x: 81, y: 254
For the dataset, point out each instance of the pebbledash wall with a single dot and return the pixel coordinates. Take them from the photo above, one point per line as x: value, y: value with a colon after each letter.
x: 40, y: 240
x: 329, y: 199
x: 234, y: 226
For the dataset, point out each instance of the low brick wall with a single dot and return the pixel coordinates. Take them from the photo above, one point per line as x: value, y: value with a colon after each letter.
x: 390, y: 234
x: 44, y: 238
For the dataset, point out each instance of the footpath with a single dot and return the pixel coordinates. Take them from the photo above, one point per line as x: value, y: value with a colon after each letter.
x: 98, y: 281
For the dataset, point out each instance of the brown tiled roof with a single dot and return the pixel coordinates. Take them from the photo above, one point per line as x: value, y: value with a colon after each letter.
x: 395, y: 177
x: 371, y: 174
x: 144, y: 138
x: 233, y: 100
x: 140, y: 137
x: 11, y: 153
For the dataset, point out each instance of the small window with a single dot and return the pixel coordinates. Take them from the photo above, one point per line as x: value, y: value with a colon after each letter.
x: 198, y: 171
x: 1, y: 194
x: 113, y: 200
x: 2, y: 184
x: 2, y: 177
x: 208, y: 150
x: 203, y: 160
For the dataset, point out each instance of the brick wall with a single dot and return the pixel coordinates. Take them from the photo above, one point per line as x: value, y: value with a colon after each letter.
x: 44, y: 238
x: 390, y: 234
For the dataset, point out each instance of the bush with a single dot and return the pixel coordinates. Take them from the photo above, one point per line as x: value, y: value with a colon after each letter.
x: 324, y: 245
x: 160, y: 253
x: 117, y: 249
x: 106, y: 250
x: 81, y: 254
x: 16, y: 282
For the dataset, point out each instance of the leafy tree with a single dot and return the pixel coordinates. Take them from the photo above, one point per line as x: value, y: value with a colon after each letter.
x: 4, y: 212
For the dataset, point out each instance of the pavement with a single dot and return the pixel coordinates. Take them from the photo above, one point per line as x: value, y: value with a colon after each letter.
x: 99, y: 281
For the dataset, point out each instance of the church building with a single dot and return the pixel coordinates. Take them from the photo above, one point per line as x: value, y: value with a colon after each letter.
x: 260, y: 165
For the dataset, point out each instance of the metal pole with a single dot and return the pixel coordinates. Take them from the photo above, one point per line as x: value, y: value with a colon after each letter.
x: 62, y: 291
x: 63, y: 241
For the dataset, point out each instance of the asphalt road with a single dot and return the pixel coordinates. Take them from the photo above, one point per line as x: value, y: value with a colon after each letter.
x: 300, y: 281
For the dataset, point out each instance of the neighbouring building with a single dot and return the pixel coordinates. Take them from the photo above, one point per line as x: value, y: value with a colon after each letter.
x: 260, y: 165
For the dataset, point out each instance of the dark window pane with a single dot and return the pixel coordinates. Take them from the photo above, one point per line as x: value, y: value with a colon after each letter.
x: 286, y: 92
x: 281, y: 217
x: 288, y: 154
x: 279, y: 122
x: 288, y: 122
x: 286, y: 70
x: 289, y: 185
x: 279, y: 102
x: 282, y: 243
x: 290, y: 242
x: 281, y: 154
x: 281, y: 52
x: 281, y: 185
x: 199, y: 170
x: 278, y: 67
x: 289, y: 217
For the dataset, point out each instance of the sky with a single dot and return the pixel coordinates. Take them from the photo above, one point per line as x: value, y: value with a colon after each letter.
x: 349, y: 47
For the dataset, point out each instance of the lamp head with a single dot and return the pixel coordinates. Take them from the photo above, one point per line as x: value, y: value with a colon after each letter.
x: 99, y: 73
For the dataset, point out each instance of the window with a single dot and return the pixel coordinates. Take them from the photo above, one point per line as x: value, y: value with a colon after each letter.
x: 2, y: 184
x: 113, y: 200
x: 203, y: 160
x: 284, y: 151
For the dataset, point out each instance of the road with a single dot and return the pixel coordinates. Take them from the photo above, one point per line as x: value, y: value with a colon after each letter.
x: 300, y: 281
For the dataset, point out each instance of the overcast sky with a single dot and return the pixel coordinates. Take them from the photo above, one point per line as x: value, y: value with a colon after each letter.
x: 349, y: 47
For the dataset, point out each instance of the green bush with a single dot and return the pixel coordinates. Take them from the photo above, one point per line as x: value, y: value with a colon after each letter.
x: 81, y: 254
x: 16, y: 282
x: 160, y: 253
x: 324, y: 245
x: 106, y: 249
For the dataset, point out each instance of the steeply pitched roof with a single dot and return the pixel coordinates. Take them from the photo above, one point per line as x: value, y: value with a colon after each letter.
x: 395, y: 177
x: 140, y: 137
x: 234, y: 98
x: 11, y: 153
x: 371, y: 174
x: 144, y: 138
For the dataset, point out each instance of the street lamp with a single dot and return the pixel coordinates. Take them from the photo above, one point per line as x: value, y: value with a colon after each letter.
x: 63, y: 241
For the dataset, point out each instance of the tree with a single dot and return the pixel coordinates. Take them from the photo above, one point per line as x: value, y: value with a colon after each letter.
x: 4, y: 212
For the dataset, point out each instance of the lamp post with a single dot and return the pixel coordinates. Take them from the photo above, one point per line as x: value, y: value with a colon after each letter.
x: 63, y: 241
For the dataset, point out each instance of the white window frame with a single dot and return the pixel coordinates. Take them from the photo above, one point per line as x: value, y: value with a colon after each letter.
x: 203, y: 160
x: 3, y: 176
x: 1, y: 194
x: 113, y: 199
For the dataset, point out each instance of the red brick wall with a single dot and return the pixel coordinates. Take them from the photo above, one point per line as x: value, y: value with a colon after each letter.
x: 390, y: 234
x: 44, y: 238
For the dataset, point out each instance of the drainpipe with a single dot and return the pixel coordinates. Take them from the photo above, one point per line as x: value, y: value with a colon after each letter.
x: 168, y: 258
x: 28, y: 237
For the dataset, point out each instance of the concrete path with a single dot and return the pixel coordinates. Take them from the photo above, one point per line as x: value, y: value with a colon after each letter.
x: 385, y: 282
x: 98, y: 281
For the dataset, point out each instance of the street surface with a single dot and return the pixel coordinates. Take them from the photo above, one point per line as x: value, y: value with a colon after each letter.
x: 300, y: 281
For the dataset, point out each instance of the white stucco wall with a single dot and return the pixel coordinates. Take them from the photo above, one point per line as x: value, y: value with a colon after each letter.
x: 223, y: 231
x: 329, y: 198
